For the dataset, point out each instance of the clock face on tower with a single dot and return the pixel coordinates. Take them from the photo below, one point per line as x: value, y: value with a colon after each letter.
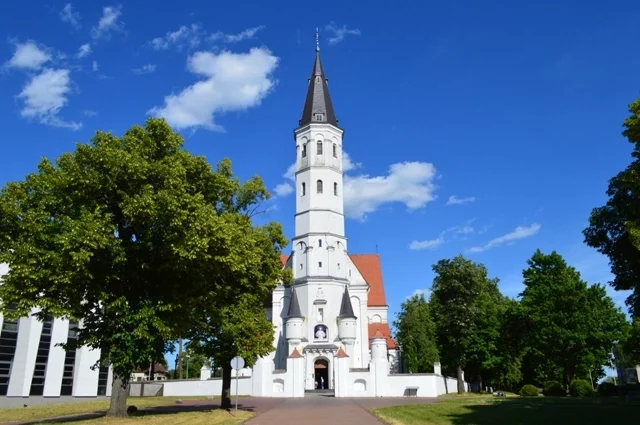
x: 320, y: 333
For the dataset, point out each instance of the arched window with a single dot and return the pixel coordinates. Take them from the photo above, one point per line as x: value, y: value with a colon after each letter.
x: 304, y: 189
x: 304, y: 150
x: 319, y: 186
x: 319, y: 147
x: 335, y: 150
x: 335, y: 189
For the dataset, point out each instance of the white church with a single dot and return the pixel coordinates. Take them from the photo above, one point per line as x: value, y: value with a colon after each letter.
x: 331, y: 327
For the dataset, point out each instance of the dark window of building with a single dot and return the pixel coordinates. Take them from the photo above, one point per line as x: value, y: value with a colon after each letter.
x: 66, y: 387
x: 40, y: 367
x: 319, y: 148
x: 304, y: 150
x: 8, y: 340
x: 335, y: 189
x: 319, y: 186
x: 335, y: 150
x: 304, y: 189
x: 320, y: 243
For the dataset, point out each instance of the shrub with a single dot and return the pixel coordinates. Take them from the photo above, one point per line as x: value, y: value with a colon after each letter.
x: 528, y: 391
x: 553, y: 389
x: 580, y: 388
x: 607, y: 389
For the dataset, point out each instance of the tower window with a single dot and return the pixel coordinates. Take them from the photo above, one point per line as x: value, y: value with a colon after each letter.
x: 304, y: 189
x: 319, y: 147
x: 300, y: 266
x: 320, y: 243
x: 335, y: 150
x: 320, y: 264
x: 304, y: 150
x: 318, y: 117
x: 319, y: 186
x: 335, y: 189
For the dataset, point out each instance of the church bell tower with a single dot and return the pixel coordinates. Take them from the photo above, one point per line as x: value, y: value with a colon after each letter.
x: 319, y: 242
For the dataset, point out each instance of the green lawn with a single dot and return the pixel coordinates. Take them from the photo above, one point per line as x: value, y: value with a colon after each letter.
x: 486, y: 410
x: 30, y: 413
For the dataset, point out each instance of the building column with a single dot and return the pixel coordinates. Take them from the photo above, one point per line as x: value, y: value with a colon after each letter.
x: 85, y: 379
x: 55, y: 363
x: 24, y: 361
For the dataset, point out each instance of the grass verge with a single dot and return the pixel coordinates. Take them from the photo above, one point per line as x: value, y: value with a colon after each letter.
x: 486, y: 410
x: 45, y: 411
x: 216, y: 417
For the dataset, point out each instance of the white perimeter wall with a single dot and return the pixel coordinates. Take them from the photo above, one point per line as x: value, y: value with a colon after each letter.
x: 210, y: 387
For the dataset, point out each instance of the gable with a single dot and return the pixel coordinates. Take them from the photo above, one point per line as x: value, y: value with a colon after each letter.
x: 369, y: 267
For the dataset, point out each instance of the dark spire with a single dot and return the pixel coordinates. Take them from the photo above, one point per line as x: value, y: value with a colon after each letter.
x: 317, y: 106
x: 346, y: 309
x: 294, y: 305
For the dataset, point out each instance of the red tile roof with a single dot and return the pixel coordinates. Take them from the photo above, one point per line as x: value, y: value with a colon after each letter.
x: 382, y: 329
x: 369, y: 267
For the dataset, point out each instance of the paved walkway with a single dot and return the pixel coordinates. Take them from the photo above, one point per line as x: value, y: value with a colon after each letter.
x: 326, y: 410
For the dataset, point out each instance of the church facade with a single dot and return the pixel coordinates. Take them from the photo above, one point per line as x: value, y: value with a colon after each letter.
x: 336, y: 299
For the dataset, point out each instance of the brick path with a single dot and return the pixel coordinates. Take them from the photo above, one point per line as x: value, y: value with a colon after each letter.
x: 327, y: 410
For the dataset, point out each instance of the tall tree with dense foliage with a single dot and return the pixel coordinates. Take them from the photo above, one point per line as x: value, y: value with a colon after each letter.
x: 614, y: 229
x: 416, y: 335
x: 571, y: 326
x: 455, y: 300
x: 128, y: 235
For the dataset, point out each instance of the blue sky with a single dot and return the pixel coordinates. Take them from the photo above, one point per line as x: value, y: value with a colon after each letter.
x: 483, y: 128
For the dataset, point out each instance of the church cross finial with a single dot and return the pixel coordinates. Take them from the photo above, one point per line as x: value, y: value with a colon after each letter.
x: 317, y: 40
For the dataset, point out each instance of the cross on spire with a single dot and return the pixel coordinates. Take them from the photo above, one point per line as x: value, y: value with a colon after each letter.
x: 317, y: 39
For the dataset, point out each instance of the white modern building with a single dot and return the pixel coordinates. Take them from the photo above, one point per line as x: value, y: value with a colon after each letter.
x: 330, y: 323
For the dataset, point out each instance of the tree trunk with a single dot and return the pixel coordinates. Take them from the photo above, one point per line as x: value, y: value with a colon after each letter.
x: 180, y: 359
x: 460, y: 381
x: 152, y: 372
x: 119, y: 393
x: 480, y: 387
x: 225, y: 400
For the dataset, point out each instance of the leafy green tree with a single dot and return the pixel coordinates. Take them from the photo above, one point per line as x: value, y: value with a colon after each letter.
x: 483, y: 352
x: 240, y: 328
x: 416, y: 335
x: 508, y: 370
x: 614, y: 229
x: 572, y: 326
x: 129, y: 235
x: 193, y: 360
x: 456, y: 305
x: 631, y: 345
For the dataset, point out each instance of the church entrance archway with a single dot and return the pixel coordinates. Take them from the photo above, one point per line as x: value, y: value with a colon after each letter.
x: 321, y: 372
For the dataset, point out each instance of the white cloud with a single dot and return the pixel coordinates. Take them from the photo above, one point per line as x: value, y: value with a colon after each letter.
x: 28, y: 56
x: 520, y: 232
x: 347, y: 164
x: 234, y: 38
x: 185, y: 35
x: 426, y: 244
x: 45, y: 95
x: 339, y: 33
x: 425, y: 292
x: 68, y: 15
x: 454, y: 200
x: 108, y: 23
x: 84, y: 50
x: 283, y: 189
x: 233, y: 82
x: 145, y: 69
x: 408, y: 183
x: 94, y: 66
x: 89, y: 113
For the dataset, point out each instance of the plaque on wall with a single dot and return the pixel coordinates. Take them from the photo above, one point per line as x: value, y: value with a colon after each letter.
x: 320, y: 333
